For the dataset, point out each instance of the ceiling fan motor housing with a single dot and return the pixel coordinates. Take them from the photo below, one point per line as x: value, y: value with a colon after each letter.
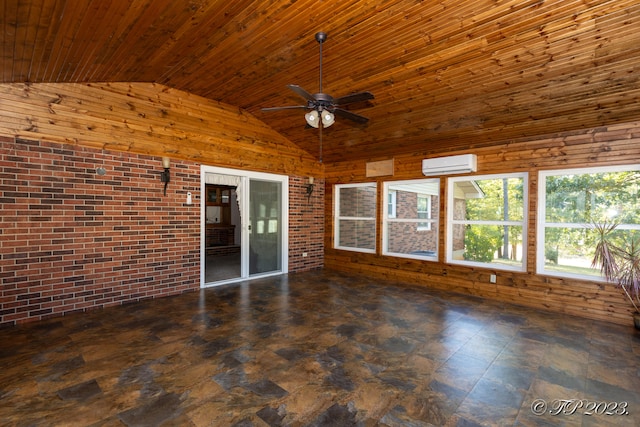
x: 322, y: 102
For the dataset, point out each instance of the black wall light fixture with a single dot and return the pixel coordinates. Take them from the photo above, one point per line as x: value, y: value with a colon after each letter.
x: 309, y: 188
x: 166, y: 175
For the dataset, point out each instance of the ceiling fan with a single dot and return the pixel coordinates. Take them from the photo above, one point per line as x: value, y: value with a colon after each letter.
x: 322, y: 106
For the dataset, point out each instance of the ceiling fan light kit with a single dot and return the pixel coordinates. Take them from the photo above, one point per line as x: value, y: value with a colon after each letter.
x: 327, y: 118
x: 312, y: 118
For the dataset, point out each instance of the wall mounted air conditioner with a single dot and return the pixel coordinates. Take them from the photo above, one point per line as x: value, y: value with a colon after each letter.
x: 450, y: 165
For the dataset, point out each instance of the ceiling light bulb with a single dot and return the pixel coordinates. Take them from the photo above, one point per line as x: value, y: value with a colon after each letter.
x: 327, y: 118
x: 312, y: 118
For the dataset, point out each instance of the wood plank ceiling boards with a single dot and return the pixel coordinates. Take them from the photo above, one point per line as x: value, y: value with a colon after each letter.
x: 446, y: 75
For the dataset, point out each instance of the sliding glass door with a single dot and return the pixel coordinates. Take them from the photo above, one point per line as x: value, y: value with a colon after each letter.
x: 265, y: 226
x: 244, y: 225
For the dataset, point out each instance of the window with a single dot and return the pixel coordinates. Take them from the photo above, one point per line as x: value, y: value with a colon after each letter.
x: 407, y: 234
x: 487, y: 218
x: 355, y: 217
x: 391, y: 204
x: 424, y: 211
x: 570, y: 202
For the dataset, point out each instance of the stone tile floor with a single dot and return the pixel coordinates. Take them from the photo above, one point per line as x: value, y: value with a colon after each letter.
x: 319, y: 349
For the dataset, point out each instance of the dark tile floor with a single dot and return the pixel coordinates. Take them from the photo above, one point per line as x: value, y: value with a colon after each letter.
x: 319, y: 349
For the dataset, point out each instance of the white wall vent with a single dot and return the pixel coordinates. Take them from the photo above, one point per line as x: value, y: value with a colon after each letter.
x: 450, y: 165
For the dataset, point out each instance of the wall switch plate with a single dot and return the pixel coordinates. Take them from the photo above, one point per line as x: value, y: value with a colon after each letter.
x: 492, y: 279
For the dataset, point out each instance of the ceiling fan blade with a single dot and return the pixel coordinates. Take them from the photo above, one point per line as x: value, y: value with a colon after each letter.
x: 351, y: 116
x: 354, y: 97
x: 286, y: 107
x: 303, y: 93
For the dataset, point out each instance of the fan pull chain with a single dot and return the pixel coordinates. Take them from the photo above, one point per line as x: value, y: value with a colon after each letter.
x: 320, y: 155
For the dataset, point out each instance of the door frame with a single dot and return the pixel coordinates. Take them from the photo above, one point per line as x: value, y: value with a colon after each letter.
x: 245, y: 176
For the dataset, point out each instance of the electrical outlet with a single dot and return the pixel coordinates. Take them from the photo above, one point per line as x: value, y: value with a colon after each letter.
x: 492, y: 279
x: 304, y: 254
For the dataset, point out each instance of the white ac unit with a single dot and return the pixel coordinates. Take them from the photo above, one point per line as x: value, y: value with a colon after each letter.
x: 450, y: 165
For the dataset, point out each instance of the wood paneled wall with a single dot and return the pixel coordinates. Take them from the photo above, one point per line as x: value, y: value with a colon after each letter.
x: 75, y: 240
x: 619, y: 144
x: 154, y: 120
x: 69, y: 129
x: 149, y: 119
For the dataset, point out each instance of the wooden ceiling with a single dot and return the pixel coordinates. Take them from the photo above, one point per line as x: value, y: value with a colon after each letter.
x: 446, y: 74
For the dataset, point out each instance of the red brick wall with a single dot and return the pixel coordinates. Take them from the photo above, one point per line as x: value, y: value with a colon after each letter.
x: 73, y: 240
x: 358, y: 202
x: 306, y: 224
x: 405, y: 237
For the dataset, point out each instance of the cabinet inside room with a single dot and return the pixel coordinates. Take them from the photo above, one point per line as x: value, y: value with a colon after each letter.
x: 220, y: 227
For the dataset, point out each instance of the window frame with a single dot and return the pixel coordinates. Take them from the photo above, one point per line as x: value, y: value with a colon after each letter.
x: 450, y: 222
x: 337, y: 218
x: 386, y: 219
x: 541, y: 223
